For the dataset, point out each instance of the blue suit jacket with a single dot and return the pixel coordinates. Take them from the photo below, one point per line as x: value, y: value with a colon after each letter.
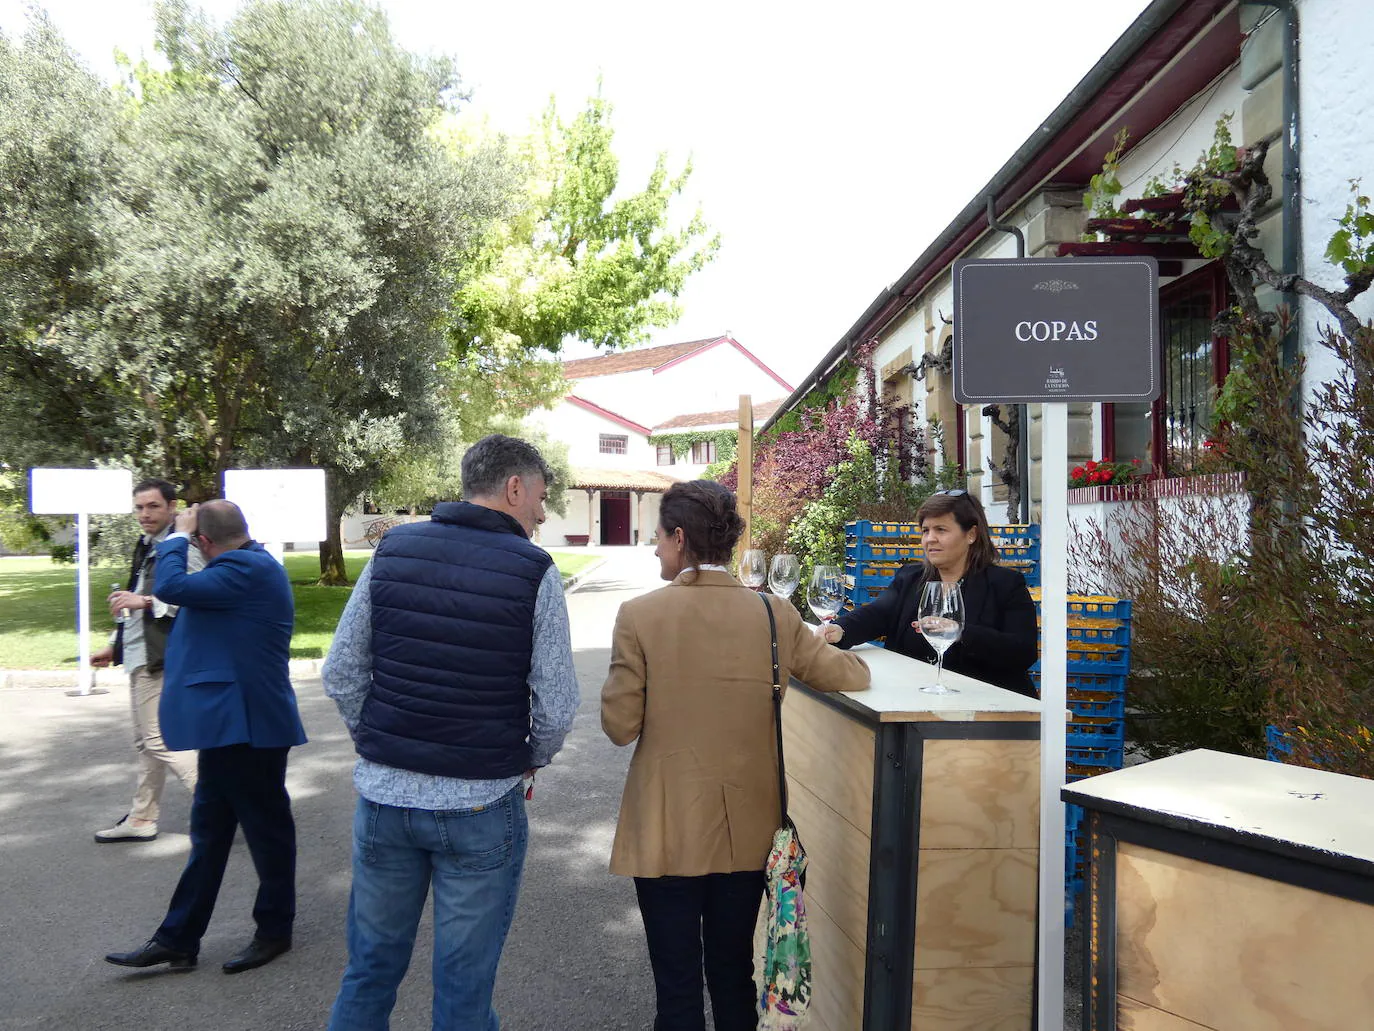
x: 226, y: 680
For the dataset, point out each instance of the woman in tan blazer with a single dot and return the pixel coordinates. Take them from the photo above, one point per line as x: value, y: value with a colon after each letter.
x: 691, y: 678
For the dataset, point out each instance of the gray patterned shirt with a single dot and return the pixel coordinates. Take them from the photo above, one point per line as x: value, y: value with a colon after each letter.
x: 554, y: 698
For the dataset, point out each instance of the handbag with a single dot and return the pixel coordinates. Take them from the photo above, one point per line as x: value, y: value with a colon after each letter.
x: 786, y: 961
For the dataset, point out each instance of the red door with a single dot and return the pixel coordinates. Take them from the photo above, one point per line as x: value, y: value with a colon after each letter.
x: 615, y: 517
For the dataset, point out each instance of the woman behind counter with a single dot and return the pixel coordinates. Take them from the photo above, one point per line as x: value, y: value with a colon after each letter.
x: 692, y: 678
x: 998, y: 644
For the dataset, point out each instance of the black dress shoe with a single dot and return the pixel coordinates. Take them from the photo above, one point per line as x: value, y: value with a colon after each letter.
x: 260, y: 951
x: 150, y: 955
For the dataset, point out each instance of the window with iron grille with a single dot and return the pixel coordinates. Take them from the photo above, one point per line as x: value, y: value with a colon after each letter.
x: 704, y: 452
x: 612, y: 444
x: 1168, y: 435
x: 665, y: 454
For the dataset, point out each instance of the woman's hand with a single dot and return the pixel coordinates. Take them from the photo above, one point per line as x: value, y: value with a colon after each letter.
x: 831, y: 633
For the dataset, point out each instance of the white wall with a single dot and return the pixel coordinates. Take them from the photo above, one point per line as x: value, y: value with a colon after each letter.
x: 1337, y: 145
x: 581, y: 430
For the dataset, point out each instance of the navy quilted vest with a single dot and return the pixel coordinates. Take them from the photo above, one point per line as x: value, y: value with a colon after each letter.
x: 452, y: 634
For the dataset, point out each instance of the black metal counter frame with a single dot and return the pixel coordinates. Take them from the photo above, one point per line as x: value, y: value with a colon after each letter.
x: 1285, y: 859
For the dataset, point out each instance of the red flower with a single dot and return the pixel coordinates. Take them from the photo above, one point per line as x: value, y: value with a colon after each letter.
x: 1077, y: 473
x: 1091, y: 465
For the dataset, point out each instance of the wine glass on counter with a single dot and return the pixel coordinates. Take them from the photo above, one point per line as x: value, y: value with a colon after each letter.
x: 753, y: 569
x: 784, y: 575
x: 825, y: 595
x: 941, y: 620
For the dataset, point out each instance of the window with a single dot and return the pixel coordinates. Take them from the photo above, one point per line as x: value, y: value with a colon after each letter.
x: 611, y: 444
x: 1168, y: 435
x: 665, y: 454
x: 704, y: 452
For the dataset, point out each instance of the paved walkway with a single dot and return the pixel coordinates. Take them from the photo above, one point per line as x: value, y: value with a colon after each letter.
x: 575, y: 960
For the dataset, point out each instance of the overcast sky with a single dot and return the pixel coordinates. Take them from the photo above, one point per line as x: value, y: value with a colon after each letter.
x: 830, y: 145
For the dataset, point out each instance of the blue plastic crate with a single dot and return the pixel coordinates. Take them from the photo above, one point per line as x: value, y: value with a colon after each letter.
x: 1119, y: 634
x: 1100, y: 607
x: 1109, y: 734
x: 1109, y: 708
x: 884, y: 551
x: 1109, y: 756
x: 863, y: 595
x: 1030, y: 531
x: 1019, y: 551
x: 1277, y: 745
x: 1111, y: 662
x: 868, y: 528
x: 1091, y: 687
x: 870, y: 570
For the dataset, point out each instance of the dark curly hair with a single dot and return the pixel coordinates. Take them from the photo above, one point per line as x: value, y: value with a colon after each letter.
x: 706, y: 513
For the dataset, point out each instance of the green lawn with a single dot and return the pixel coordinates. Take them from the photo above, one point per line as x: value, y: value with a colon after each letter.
x: 38, y: 607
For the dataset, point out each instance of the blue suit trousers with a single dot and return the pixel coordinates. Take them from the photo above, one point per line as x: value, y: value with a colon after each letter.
x: 238, y: 785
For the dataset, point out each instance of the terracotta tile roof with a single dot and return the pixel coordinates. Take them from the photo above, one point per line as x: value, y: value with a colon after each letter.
x: 620, y: 479
x: 729, y: 417
x: 632, y: 361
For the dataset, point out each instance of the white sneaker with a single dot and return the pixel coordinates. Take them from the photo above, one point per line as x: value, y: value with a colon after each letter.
x: 126, y: 831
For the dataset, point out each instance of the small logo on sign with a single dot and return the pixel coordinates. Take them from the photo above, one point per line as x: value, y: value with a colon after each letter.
x: 1056, y: 382
x: 1055, y: 286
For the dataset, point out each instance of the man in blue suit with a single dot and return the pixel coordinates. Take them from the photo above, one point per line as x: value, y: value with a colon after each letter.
x: 227, y: 692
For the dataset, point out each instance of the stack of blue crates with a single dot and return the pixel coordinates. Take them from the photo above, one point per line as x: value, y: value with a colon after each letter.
x: 1099, y: 660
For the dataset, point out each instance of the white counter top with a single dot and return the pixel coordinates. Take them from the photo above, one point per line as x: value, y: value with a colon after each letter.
x: 895, y: 695
x: 1273, y: 805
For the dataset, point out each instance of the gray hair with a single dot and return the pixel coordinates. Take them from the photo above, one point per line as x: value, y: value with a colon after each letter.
x: 493, y: 460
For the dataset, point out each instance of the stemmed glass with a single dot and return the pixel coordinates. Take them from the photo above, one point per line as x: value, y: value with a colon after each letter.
x: 784, y: 575
x: 826, y: 593
x: 941, y: 620
x: 753, y: 566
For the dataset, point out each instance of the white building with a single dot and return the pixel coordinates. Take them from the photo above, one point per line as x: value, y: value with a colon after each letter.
x: 617, y: 402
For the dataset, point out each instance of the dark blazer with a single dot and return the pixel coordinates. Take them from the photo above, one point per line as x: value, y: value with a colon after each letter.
x: 226, y: 679
x: 999, y: 643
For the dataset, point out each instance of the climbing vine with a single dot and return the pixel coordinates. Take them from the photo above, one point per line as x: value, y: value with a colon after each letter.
x: 726, y: 442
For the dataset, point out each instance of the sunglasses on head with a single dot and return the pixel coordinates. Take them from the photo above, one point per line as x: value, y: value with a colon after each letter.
x: 955, y: 493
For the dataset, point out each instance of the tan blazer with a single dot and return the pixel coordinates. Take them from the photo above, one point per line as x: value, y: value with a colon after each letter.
x: 691, y: 677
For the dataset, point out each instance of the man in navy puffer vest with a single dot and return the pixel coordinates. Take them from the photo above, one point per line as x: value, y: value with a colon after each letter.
x: 452, y: 666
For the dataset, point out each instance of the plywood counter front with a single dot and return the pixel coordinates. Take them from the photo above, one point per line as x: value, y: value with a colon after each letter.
x: 1228, y: 894
x: 920, y: 815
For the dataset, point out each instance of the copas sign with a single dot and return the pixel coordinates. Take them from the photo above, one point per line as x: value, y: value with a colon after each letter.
x: 1029, y: 330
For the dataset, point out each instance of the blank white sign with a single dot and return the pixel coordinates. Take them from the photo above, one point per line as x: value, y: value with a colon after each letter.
x: 72, y: 491
x: 281, y: 505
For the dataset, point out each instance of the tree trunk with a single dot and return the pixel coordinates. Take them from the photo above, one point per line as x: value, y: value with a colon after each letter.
x: 333, y: 572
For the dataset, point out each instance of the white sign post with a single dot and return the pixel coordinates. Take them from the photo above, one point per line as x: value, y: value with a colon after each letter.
x: 1051, y: 331
x: 281, y: 505
x: 83, y: 492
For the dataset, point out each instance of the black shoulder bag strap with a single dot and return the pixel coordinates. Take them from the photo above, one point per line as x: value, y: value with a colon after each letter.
x: 777, y: 709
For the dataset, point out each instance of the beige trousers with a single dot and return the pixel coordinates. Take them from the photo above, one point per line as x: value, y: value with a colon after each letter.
x: 154, y: 758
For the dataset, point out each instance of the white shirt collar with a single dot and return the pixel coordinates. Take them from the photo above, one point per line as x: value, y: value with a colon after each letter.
x: 708, y: 567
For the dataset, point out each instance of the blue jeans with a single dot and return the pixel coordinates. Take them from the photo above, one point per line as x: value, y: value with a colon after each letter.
x: 474, y: 858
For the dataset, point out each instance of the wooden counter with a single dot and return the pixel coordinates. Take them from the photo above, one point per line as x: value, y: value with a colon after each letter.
x: 1228, y: 893
x: 920, y: 816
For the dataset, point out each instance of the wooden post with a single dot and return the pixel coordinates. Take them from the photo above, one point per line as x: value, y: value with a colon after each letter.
x: 745, y: 468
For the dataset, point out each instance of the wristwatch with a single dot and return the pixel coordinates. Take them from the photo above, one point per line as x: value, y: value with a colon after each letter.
x: 148, y: 602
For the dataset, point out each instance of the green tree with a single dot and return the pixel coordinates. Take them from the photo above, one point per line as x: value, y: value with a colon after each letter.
x: 272, y: 233
x: 426, y: 476
x: 573, y: 261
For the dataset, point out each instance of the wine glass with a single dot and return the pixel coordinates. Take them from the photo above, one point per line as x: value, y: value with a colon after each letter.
x: 784, y: 575
x: 941, y: 620
x: 826, y: 593
x: 753, y: 566
x: 122, y: 613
